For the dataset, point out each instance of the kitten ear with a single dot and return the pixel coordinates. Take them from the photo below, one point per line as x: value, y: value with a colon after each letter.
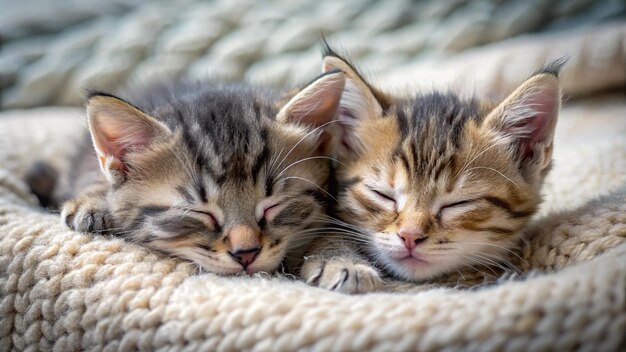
x: 359, y: 100
x: 527, y: 118
x: 316, y: 104
x: 359, y: 103
x: 314, y: 107
x: 118, y: 128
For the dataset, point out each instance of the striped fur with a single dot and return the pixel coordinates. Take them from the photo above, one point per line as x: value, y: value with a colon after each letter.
x: 187, y: 164
x: 462, y: 176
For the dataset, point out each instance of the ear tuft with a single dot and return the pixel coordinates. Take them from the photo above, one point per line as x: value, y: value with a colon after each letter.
x: 359, y: 103
x: 553, y: 68
x: 118, y: 128
x: 327, y: 50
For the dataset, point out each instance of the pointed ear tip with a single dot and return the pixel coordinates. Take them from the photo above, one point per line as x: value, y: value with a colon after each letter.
x: 327, y: 50
x: 335, y: 75
x: 327, y: 64
x: 331, y: 58
x: 97, y: 98
x: 551, y: 81
x: 546, y: 83
x: 98, y: 94
x: 100, y: 106
x: 334, y: 80
x: 554, y: 67
x: 332, y: 63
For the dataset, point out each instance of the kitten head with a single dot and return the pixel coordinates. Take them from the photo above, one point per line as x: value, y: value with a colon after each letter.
x: 215, y: 174
x: 439, y: 182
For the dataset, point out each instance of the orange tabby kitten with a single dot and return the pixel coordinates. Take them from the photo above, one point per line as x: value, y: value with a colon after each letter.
x: 433, y: 183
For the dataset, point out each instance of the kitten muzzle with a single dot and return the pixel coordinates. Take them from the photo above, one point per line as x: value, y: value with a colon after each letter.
x: 244, y: 244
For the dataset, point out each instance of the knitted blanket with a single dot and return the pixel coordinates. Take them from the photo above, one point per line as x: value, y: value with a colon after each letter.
x: 63, y: 291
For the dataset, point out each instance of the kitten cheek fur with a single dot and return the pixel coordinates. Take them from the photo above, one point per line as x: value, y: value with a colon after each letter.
x: 438, y: 149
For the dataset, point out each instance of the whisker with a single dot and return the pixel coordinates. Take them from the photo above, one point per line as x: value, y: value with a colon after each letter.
x: 501, y: 247
x: 334, y: 229
x: 311, y: 182
x: 274, y: 159
x: 303, y: 138
x: 496, y: 171
x: 462, y: 170
x: 327, y: 235
x: 306, y: 159
x: 184, y: 162
x: 480, y: 262
x: 498, y: 262
x: 331, y: 219
x: 507, y: 264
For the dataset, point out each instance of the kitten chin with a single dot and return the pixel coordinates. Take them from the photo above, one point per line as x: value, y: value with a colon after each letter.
x: 226, y: 176
x: 438, y: 183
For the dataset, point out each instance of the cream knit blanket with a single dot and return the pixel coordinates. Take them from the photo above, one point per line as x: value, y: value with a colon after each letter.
x: 64, y: 291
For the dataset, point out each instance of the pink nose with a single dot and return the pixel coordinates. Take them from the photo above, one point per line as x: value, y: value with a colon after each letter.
x: 411, y: 238
x: 245, y: 257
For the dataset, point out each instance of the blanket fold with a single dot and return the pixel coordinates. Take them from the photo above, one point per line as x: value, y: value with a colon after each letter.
x: 62, y: 290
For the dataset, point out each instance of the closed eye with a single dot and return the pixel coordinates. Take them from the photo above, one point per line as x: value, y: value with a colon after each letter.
x: 453, y: 206
x: 383, y: 195
x: 208, y: 215
x: 457, y: 204
x: 266, y: 211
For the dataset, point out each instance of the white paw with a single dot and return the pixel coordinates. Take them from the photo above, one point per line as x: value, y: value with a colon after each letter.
x: 341, y: 275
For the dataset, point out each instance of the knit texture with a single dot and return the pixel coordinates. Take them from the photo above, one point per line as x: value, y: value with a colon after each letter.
x: 66, y: 291
x: 63, y: 291
x: 596, y: 58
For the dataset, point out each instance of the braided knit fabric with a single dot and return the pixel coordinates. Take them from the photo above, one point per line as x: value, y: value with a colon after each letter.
x: 63, y: 291
x: 597, y: 61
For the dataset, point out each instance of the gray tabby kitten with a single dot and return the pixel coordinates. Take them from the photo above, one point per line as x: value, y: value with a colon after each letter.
x: 225, y: 176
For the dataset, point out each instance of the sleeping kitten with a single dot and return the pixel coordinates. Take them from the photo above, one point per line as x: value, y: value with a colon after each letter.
x: 216, y: 174
x: 433, y: 183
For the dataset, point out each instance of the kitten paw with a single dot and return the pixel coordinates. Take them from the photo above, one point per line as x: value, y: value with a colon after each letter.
x: 341, y: 275
x: 87, y: 215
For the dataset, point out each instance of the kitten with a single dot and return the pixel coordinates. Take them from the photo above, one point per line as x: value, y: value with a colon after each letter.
x: 215, y: 174
x: 433, y: 183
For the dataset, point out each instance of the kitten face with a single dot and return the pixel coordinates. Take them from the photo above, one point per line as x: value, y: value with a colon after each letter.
x: 437, y: 183
x: 434, y: 201
x: 219, y: 178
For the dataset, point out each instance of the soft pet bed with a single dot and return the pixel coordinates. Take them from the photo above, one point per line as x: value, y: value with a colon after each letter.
x: 63, y: 291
